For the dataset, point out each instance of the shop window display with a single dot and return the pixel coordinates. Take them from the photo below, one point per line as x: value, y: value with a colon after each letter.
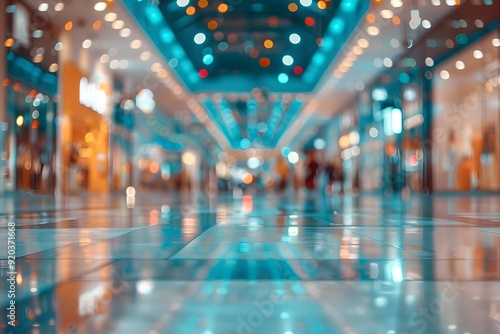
x: 466, y: 119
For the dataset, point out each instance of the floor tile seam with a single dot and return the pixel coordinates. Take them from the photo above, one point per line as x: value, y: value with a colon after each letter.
x: 188, y: 243
x: 77, y: 243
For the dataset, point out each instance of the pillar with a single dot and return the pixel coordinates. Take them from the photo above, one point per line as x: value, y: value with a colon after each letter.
x: 3, y: 102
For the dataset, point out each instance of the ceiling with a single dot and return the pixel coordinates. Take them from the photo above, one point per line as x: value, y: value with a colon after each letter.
x: 247, y: 44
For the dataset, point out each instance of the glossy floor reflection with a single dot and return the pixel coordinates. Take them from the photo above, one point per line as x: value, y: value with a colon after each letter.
x: 254, y: 264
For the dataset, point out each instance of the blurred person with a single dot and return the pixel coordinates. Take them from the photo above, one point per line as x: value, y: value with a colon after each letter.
x: 453, y: 160
x: 335, y: 176
x: 330, y: 172
x: 488, y: 154
x: 283, y: 171
x: 312, y: 169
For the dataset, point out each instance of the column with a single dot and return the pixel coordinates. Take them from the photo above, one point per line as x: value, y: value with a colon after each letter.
x: 427, y: 146
x: 3, y: 103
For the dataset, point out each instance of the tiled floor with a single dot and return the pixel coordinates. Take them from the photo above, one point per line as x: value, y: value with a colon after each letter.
x: 257, y: 264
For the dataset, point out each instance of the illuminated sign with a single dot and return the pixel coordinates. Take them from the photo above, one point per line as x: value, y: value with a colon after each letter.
x: 91, y: 96
x: 145, y: 101
x: 21, y: 26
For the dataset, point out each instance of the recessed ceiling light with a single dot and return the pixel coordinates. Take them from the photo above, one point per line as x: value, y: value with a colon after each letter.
x: 37, y: 33
x: 38, y: 58
x: 135, y: 44
x: 59, y: 7
x: 386, y: 14
x: 357, y: 50
x: 363, y: 42
x: 426, y: 24
x: 287, y: 60
x: 294, y: 38
x: 104, y: 58
x: 445, y: 75
x: 100, y: 6
x: 43, y: 7
x: 478, y: 54
x: 114, y: 64
x: 118, y: 24
x: 495, y: 42
x: 53, y: 67
x: 110, y: 17
x: 200, y: 38
x: 396, y: 3
x: 145, y: 55
x: 86, y: 44
x: 372, y: 30
x: 460, y: 65
x: 125, y: 32
x: 155, y: 67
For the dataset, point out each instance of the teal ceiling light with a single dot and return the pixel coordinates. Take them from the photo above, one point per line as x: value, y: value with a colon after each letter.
x: 337, y: 26
x: 208, y: 59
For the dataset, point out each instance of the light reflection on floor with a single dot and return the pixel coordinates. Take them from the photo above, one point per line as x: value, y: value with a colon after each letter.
x: 261, y: 264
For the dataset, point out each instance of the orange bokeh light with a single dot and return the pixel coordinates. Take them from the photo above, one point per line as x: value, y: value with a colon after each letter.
x: 222, y: 8
x: 370, y: 18
x: 247, y: 178
x: 344, y: 142
x: 268, y: 44
x: 293, y: 7
x: 309, y: 21
x: 264, y: 62
x: 68, y: 26
x: 35, y: 124
x: 9, y: 42
x: 203, y: 3
x: 97, y: 25
x: 154, y: 168
x: 212, y: 25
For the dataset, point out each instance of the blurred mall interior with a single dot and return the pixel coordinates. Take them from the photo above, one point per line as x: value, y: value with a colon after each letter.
x: 250, y: 166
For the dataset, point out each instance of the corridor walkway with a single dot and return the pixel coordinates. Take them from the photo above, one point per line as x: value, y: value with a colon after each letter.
x: 159, y: 263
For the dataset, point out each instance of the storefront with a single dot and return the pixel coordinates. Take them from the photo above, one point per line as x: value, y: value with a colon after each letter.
x: 29, y: 91
x: 85, y: 134
x: 466, y: 95
x: 371, y: 160
x: 31, y: 138
x: 348, y: 143
x: 412, y: 150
